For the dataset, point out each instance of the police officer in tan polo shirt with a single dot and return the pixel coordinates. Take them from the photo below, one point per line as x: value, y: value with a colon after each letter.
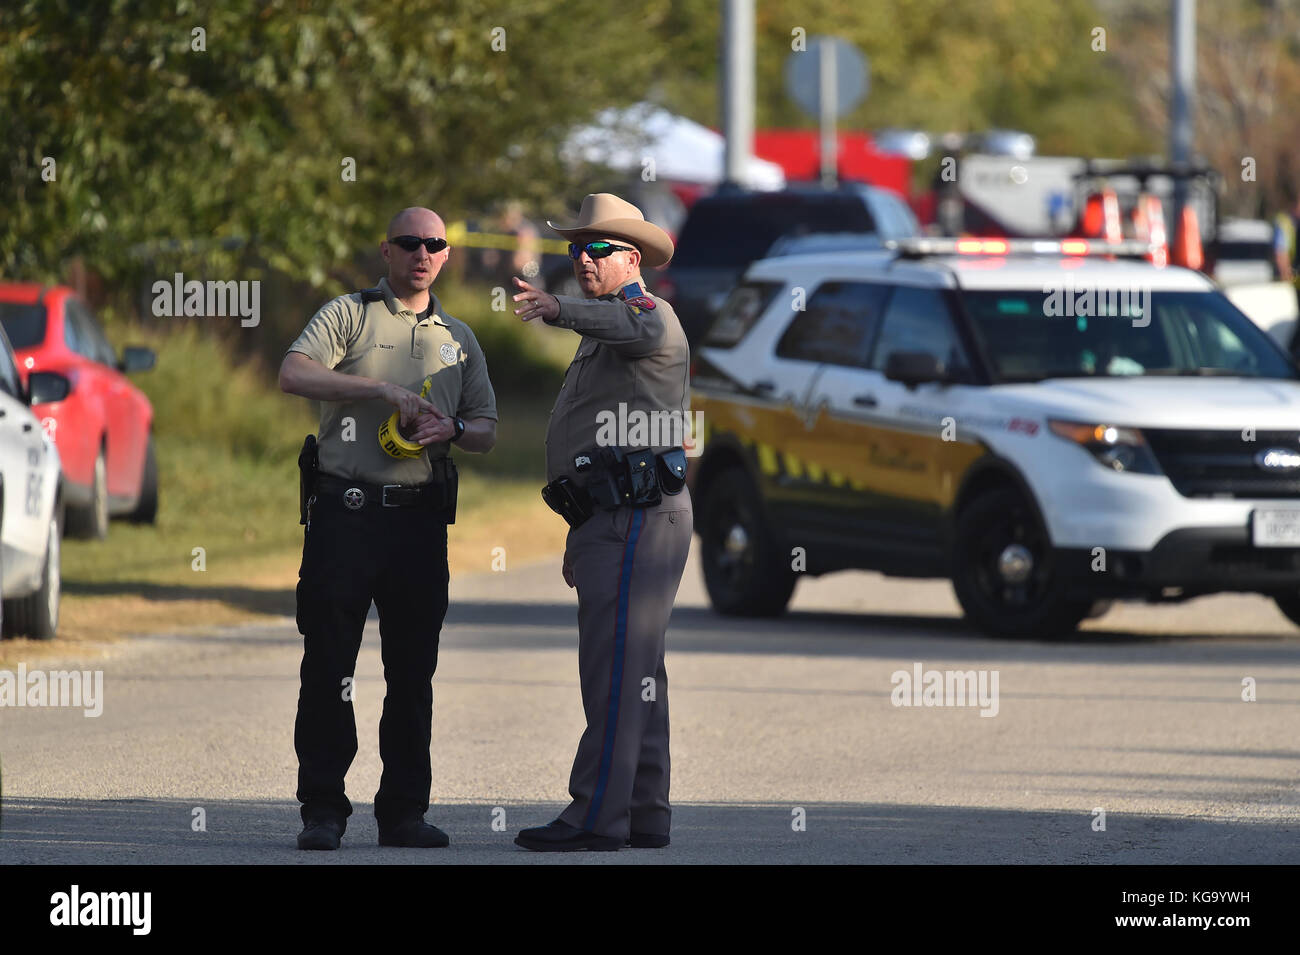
x: 618, y: 480
x: 399, y: 382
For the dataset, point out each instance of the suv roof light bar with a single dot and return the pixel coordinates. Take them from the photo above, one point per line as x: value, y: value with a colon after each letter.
x: 916, y: 248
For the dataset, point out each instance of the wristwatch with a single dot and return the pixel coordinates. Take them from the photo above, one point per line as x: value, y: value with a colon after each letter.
x: 460, y: 428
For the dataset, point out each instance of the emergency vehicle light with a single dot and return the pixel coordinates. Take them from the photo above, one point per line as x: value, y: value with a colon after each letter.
x: 916, y: 248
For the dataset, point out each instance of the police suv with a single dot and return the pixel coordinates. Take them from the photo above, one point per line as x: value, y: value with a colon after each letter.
x: 1048, y: 424
x: 31, y: 502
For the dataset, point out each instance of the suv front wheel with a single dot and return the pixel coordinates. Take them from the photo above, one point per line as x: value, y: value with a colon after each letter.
x: 745, y: 573
x: 1003, y: 571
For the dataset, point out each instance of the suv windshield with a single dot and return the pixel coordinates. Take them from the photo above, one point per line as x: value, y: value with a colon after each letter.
x: 1030, y: 335
x: 24, y: 324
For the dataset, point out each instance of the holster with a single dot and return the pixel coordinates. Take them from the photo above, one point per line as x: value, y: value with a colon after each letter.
x: 571, y: 502
x: 605, y: 476
x: 308, y: 467
x: 450, y: 479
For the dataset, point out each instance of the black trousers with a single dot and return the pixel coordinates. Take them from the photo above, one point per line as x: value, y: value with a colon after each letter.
x: 396, y: 557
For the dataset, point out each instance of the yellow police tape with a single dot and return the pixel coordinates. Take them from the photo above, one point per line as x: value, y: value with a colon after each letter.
x: 390, y: 438
x: 458, y: 234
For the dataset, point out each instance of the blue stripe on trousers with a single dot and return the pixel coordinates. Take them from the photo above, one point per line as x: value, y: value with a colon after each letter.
x: 616, y: 670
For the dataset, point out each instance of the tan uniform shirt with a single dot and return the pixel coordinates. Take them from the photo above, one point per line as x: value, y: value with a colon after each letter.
x: 387, y: 341
x: 627, y: 384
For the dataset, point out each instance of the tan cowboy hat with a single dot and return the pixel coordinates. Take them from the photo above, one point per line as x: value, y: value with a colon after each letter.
x: 607, y: 214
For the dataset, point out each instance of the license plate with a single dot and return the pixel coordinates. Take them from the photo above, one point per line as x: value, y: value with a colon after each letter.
x: 1276, y: 527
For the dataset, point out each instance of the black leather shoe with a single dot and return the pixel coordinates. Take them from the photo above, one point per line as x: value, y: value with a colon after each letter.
x: 414, y: 834
x: 647, y: 840
x: 321, y: 834
x: 559, y: 836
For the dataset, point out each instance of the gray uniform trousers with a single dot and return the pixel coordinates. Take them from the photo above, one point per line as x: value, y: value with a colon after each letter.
x: 626, y: 564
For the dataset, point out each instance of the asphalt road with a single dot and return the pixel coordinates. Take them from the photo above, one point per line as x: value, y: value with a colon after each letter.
x: 773, y: 722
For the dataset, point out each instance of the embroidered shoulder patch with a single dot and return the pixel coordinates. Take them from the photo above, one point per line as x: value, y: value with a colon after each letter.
x: 641, y: 301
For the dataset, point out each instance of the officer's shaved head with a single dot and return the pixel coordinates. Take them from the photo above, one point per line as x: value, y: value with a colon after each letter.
x: 416, y: 220
x: 411, y: 273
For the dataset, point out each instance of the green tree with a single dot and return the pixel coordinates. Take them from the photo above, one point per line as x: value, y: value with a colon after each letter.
x: 228, y: 149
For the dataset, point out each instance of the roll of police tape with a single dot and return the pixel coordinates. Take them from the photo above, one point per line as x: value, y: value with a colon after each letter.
x: 390, y: 438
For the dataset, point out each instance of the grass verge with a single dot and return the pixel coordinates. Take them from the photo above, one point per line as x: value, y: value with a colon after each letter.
x: 112, y: 592
x: 227, y: 543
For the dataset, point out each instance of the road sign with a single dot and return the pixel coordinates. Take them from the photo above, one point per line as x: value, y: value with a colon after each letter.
x: 803, y: 75
x: 828, y: 80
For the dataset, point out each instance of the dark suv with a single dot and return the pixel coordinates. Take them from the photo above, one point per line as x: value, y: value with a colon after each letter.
x: 729, y: 230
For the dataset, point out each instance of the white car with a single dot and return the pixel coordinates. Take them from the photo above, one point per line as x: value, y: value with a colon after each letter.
x: 31, y: 504
x: 1046, y: 426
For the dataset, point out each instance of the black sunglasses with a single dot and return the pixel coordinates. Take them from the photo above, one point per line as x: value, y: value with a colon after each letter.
x: 410, y: 243
x: 597, y: 250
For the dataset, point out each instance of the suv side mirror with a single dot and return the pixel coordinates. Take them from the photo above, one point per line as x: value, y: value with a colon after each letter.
x: 135, y: 358
x: 44, y: 387
x: 913, y: 368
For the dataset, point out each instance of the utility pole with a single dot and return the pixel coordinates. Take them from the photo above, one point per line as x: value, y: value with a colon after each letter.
x: 738, y: 87
x: 1182, y: 102
x: 829, y: 110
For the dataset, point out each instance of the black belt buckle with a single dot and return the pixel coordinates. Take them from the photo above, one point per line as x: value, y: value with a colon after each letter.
x: 425, y: 496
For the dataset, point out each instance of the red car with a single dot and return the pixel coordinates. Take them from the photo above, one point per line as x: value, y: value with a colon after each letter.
x: 103, y: 425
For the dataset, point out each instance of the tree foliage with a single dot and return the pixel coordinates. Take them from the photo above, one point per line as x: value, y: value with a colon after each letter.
x: 237, y: 152
x: 233, y: 157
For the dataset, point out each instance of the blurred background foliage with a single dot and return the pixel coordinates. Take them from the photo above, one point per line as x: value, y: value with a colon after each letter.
x: 235, y: 153
x: 228, y: 161
x: 1248, y: 90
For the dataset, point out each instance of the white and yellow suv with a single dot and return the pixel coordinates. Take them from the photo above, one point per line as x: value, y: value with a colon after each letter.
x: 1046, y: 424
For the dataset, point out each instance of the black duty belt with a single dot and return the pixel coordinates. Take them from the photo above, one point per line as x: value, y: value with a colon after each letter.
x: 355, y: 495
x: 315, y: 486
x: 615, y: 477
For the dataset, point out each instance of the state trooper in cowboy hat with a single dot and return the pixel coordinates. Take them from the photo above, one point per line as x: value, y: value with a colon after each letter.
x: 629, y: 517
